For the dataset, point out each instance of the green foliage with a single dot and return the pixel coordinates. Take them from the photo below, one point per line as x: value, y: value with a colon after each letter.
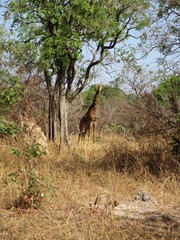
x: 8, y: 128
x: 112, y: 128
x: 15, y: 151
x: 34, y: 151
x: 34, y: 191
x: 89, y: 95
x: 107, y: 92
x: 10, y: 92
x: 2, y: 40
x: 55, y: 32
x: 31, y: 193
x: 111, y: 92
x: 168, y: 96
x: 10, y: 86
x: 165, y: 34
x: 168, y: 90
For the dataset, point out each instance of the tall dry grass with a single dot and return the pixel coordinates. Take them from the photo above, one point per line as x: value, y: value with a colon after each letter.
x: 113, y: 165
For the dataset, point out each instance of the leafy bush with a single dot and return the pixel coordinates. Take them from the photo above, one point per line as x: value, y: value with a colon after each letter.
x: 168, y: 96
x: 10, y: 93
x: 112, y: 127
x: 32, y: 191
x: 168, y: 92
x: 8, y: 128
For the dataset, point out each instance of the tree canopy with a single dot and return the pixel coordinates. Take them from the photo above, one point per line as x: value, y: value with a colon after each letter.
x: 163, y: 35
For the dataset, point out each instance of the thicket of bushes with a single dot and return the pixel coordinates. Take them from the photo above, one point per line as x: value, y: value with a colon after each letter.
x: 151, y: 113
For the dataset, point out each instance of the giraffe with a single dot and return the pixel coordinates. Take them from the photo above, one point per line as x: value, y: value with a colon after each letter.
x: 88, y: 121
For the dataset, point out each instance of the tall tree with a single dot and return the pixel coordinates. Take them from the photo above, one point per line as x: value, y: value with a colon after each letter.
x: 168, y: 13
x: 10, y: 87
x: 55, y: 33
x: 164, y: 34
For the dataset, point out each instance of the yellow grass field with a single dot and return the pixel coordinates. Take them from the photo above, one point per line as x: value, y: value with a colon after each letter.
x: 72, y: 181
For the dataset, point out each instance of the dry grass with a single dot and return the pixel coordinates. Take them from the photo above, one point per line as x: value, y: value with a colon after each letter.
x: 112, y: 165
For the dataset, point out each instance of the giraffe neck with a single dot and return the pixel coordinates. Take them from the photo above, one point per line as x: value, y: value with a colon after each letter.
x: 95, y: 102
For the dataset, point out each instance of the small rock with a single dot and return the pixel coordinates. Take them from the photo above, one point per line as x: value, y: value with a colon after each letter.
x: 144, y: 197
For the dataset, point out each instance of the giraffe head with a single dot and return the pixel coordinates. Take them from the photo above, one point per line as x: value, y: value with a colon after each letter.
x: 100, y: 87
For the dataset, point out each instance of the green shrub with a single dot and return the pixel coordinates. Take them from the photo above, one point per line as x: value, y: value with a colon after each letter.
x: 168, y: 96
x: 8, y: 128
x: 32, y: 190
x: 10, y: 93
x: 112, y: 127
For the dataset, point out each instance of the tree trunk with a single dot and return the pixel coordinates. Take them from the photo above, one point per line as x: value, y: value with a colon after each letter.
x: 63, y: 112
x: 51, y: 118
x: 52, y: 106
x: 55, y: 115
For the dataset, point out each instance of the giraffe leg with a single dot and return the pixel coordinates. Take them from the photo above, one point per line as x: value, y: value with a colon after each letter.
x: 84, y: 135
x: 89, y: 132
x: 94, y: 132
x: 79, y: 137
x: 80, y: 133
